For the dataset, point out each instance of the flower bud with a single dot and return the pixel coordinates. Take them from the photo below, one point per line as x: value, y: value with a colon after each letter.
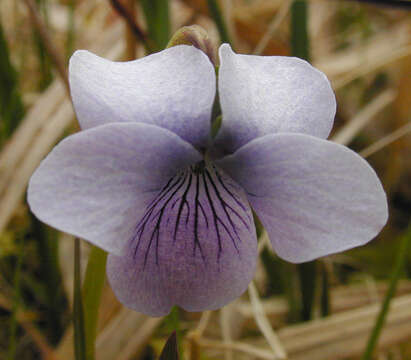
x: 197, y: 36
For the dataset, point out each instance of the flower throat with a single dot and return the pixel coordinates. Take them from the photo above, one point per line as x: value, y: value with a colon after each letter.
x: 199, y: 204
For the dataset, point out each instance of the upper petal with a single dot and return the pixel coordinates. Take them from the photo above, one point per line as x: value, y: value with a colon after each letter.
x: 195, y: 247
x: 260, y: 95
x: 96, y: 184
x: 174, y: 89
x: 314, y: 197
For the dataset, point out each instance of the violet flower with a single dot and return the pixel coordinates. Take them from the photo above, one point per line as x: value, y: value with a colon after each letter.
x: 144, y: 181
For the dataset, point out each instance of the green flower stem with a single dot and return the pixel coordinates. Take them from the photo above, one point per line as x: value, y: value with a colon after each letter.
x: 308, y: 283
x: 92, y: 290
x: 219, y: 21
x: 325, y: 294
x: 398, y: 266
x: 78, y: 314
x: 291, y: 281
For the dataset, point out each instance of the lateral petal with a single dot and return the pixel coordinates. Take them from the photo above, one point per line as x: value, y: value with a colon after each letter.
x: 95, y: 184
x: 313, y: 196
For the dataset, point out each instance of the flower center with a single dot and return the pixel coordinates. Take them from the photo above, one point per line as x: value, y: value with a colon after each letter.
x: 200, y: 208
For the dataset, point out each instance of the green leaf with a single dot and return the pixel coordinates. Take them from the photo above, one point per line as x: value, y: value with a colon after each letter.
x: 170, y: 350
x: 172, y: 322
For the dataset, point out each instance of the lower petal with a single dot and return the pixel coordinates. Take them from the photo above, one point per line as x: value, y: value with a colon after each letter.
x: 195, y: 247
x: 314, y: 197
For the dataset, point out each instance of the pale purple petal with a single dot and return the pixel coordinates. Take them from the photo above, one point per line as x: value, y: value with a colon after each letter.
x: 261, y: 95
x: 195, y: 247
x: 173, y: 89
x: 314, y: 197
x: 96, y: 184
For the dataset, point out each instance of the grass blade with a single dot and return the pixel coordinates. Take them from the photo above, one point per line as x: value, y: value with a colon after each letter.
x: 11, y: 105
x: 78, y: 310
x: 55, y: 300
x: 219, y: 21
x: 300, y: 46
x: 158, y: 21
x: 70, y: 41
x: 398, y: 266
x: 44, y: 60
